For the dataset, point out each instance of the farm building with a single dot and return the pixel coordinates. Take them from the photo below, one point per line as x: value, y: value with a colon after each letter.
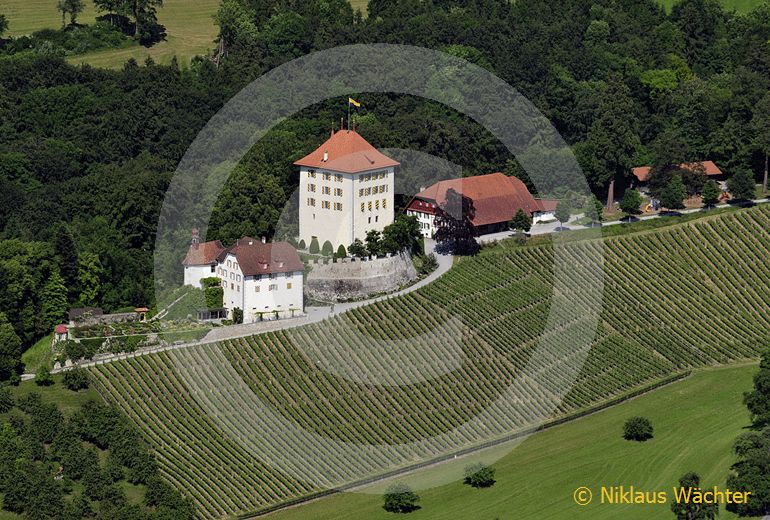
x: 496, y: 198
x: 264, y: 279
x: 346, y: 189
x: 711, y: 170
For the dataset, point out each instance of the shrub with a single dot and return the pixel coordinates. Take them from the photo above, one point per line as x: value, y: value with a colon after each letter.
x: 76, y: 379
x: 479, y: 476
x: 237, y: 315
x: 43, y: 377
x: 637, y: 429
x: 314, y: 247
x: 341, y: 253
x: 302, y: 244
x: 357, y: 248
x: 214, y: 297
x: 741, y: 184
x: 399, y: 498
x: 327, y: 249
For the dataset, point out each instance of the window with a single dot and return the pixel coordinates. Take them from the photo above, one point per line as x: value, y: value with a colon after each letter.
x: 224, y: 272
x: 338, y: 177
x: 377, y: 218
x: 361, y: 192
x: 232, y: 276
x: 327, y: 190
x: 338, y: 206
x: 235, y: 264
x: 310, y: 201
x: 224, y: 283
x: 232, y: 286
x: 338, y: 192
x: 362, y: 207
x: 370, y: 220
x: 370, y: 205
x: 229, y: 264
x: 237, y: 278
x: 288, y: 285
x: 273, y: 287
x: 213, y: 268
x: 327, y: 177
x: 256, y: 289
x: 311, y: 174
x: 273, y: 276
x: 368, y: 191
x: 325, y: 204
x: 384, y: 203
x: 238, y: 288
x: 311, y: 188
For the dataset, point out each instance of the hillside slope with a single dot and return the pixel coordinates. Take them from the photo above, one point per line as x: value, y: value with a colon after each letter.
x: 688, y: 295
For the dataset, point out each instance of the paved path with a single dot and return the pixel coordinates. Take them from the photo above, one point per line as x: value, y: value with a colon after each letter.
x: 312, y: 315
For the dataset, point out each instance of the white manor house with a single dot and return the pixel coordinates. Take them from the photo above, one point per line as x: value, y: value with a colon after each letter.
x: 345, y: 189
x: 264, y: 279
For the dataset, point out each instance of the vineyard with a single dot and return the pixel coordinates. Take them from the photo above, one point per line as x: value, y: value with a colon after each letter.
x: 431, y: 372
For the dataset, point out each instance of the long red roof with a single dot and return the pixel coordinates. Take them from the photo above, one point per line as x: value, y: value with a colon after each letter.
x: 256, y: 258
x: 642, y: 173
x: 347, y: 152
x: 496, y: 197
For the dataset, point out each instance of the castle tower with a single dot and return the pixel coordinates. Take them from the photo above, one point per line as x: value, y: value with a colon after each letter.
x: 346, y: 189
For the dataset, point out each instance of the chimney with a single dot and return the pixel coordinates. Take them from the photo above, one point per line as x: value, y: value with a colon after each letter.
x: 195, y: 238
x: 264, y: 240
x: 332, y: 131
x: 326, y: 156
x: 342, y: 123
x: 251, y: 242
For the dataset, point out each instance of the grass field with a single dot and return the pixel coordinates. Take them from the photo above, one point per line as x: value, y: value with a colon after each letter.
x: 536, y: 480
x: 687, y: 295
x: 189, y: 25
x: 38, y: 355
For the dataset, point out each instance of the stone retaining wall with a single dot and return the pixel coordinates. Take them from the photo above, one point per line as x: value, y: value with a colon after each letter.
x: 352, y: 278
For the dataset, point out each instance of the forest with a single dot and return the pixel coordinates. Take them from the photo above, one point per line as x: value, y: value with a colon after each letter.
x: 86, y: 154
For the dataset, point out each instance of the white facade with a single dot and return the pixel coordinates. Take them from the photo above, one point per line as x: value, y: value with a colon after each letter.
x: 261, y: 297
x: 543, y: 216
x: 340, y: 207
x: 194, y: 273
x: 427, y: 222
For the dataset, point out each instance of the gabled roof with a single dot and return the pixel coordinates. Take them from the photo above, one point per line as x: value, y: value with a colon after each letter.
x: 255, y: 257
x: 60, y: 329
x: 496, y: 197
x: 203, y: 254
x: 642, y: 173
x: 346, y: 152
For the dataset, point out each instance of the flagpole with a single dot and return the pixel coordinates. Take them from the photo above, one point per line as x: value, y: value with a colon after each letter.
x: 348, y: 115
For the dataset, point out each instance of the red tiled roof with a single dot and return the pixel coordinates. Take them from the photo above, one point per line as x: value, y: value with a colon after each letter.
x: 60, y: 329
x: 255, y: 258
x: 547, y: 204
x: 496, y: 197
x: 643, y: 172
x: 422, y: 206
x: 204, y: 254
x: 346, y: 151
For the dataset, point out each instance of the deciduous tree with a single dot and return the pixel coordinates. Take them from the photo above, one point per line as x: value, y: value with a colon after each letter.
x: 673, y: 194
x: 710, y: 194
x: 54, y: 301
x: 399, y: 498
x: 521, y: 221
x: 689, y: 509
x: 631, y: 203
x: 741, y: 184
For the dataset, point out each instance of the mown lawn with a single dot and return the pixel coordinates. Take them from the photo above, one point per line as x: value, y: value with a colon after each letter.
x: 189, y: 25
x: 38, y: 355
x: 695, y: 421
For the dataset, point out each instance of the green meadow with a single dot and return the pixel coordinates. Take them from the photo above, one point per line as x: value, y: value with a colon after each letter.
x: 538, y: 477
